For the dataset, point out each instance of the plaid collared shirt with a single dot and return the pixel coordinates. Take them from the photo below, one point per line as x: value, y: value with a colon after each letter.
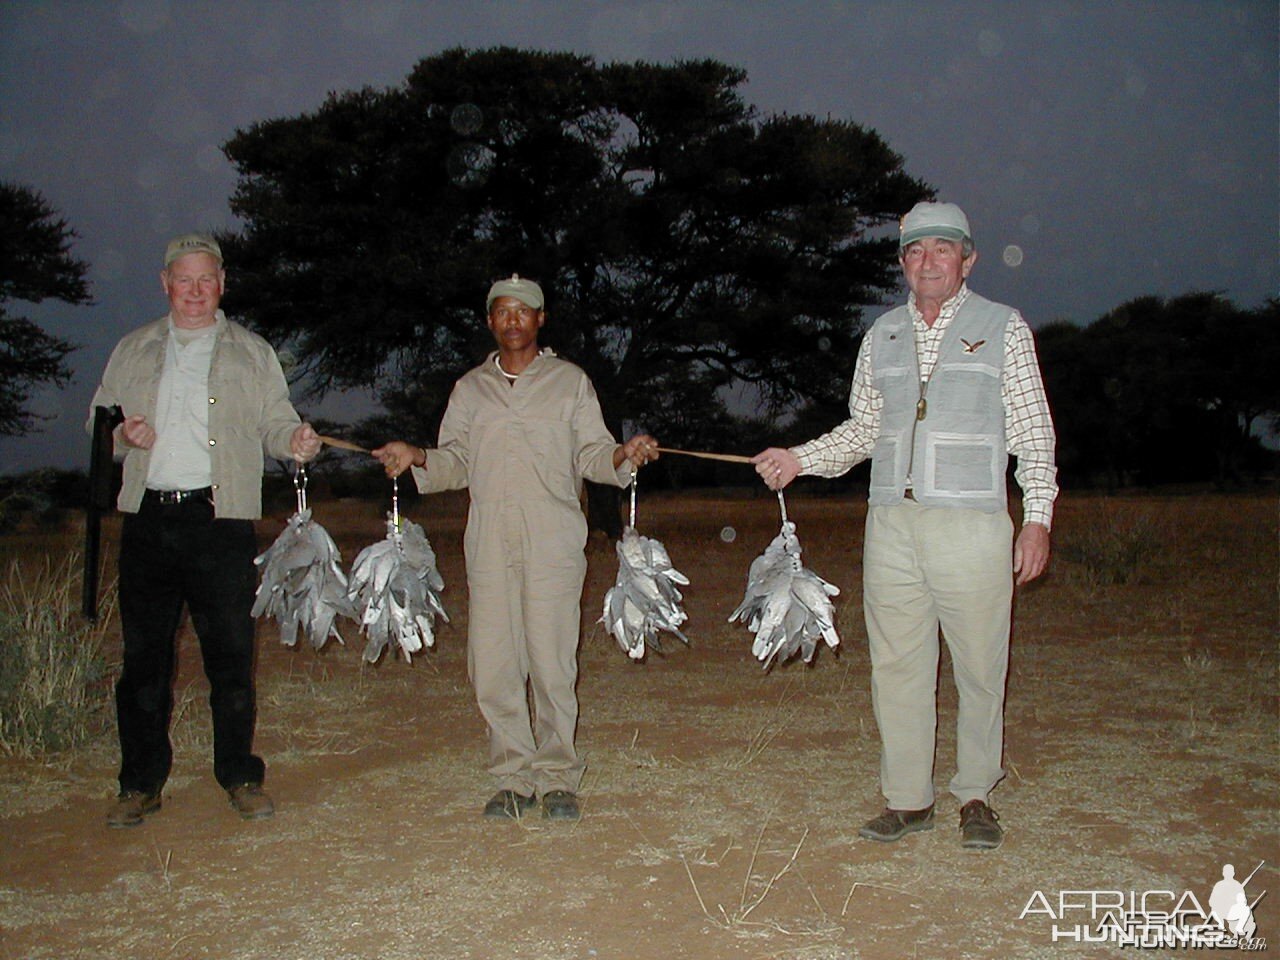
x: 1028, y: 425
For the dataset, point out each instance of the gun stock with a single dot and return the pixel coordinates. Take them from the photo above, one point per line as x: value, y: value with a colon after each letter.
x: 105, y: 420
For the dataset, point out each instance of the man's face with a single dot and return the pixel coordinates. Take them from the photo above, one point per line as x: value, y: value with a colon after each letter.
x: 514, y: 324
x: 193, y: 285
x: 935, y: 268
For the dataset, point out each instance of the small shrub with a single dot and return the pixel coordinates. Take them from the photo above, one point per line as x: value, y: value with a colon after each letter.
x: 54, y: 694
x: 1114, y: 547
x: 29, y: 497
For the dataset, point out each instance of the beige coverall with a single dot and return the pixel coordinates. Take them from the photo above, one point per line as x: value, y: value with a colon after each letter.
x: 523, y: 449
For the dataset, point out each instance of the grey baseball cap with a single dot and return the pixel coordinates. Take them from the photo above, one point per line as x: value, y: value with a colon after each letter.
x: 943, y: 220
x: 191, y: 243
x: 526, y: 291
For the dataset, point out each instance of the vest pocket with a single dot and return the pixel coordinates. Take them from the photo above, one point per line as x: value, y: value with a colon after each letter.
x: 961, y: 465
x: 884, y: 461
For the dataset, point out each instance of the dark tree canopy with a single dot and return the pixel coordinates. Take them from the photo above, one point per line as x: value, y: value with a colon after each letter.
x: 680, y: 237
x: 1162, y: 390
x: 35, y: 265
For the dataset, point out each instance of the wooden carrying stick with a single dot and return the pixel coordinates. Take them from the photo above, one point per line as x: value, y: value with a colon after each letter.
x: 340, y: 444
x: 728, y: 457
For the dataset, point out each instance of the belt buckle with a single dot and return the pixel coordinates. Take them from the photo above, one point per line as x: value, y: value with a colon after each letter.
x: 170, y: 498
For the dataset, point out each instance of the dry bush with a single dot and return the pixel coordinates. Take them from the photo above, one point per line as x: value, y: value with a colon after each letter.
x: 1115, y: 546
x: 53, y: 690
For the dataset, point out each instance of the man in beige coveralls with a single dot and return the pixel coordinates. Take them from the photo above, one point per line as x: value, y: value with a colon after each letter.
x: 522, y: 431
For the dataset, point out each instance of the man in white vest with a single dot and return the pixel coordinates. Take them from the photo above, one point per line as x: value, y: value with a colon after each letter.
x: 944, y: 390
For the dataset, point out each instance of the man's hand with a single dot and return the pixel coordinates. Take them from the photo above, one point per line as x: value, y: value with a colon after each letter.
x: 305, y: 443
x: 1030, y: 552
x: 778, y: 467
x: 397, y: 457
x: 136, y: 432
x: 640, y: 449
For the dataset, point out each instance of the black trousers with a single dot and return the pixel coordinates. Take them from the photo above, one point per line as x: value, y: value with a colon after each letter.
x: 171, y: 555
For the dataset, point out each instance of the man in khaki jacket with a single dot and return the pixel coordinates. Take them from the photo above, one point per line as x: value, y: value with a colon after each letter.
x: 522, y: 431
x: 203, y: 401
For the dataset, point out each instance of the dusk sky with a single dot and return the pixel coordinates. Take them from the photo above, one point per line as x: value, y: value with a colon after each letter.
x: 1102, y: 150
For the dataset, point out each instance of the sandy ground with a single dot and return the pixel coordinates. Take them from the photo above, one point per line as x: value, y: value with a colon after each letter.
x: 721, y: 802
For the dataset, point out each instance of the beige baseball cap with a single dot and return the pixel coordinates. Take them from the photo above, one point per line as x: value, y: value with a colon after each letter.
x: 943, y: 220
x: 526, y: 291
x: 191, y: 243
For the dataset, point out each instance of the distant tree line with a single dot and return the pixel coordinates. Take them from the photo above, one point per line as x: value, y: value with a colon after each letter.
x: 1165, y: 390
x: 687, y: 245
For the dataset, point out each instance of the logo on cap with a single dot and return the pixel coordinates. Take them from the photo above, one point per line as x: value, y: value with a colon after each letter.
x: 192, y: 243
x: 526, y: 291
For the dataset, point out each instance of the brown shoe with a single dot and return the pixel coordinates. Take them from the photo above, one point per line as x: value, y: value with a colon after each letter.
x: 978, y: 827
x: 130, y: 807
x: 251, y: 801
x: 896, y: 824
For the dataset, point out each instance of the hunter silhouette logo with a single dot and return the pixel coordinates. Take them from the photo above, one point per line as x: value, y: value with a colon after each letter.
x: 1229, y: 903
x: 1158, y: 919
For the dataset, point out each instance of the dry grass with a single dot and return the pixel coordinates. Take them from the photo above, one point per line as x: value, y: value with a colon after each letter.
x: 53, y: 694
x: 1117, y: 545
x: 721, y: 801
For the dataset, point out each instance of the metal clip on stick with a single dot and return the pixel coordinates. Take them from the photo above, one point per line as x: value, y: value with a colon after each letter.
x: 395, y: 508
x: 300, y: 484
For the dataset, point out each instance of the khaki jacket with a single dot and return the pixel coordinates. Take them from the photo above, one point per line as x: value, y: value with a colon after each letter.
x: 250, y: 416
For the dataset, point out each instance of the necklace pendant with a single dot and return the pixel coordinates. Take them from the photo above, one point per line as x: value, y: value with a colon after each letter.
x: 922, y: 408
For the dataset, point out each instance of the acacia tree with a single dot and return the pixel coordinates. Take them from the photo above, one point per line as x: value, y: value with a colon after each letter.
x: 35, y: 265
x: 675, y: 231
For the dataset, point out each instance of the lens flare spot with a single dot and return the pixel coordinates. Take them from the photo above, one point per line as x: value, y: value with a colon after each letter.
x: 466, y: 119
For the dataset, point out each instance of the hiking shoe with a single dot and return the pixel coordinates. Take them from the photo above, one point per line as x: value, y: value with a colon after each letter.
x: 130, y: 807
x: 251, y: 801
x: 895, y: 824
x: 560, y: 805
x: 508, y: 804
x: 978, y: 827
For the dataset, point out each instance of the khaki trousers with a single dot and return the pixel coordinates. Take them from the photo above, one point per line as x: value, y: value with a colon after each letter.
x: 525, y: 570
x: 926, y: 567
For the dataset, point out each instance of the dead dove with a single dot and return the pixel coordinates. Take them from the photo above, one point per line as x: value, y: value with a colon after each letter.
x: 395, y: 587
x: 302, y: 584
x: 786, y: 606
x: 645, y: 598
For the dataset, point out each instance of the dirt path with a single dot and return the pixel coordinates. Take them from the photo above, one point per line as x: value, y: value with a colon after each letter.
x: 721, y: 802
